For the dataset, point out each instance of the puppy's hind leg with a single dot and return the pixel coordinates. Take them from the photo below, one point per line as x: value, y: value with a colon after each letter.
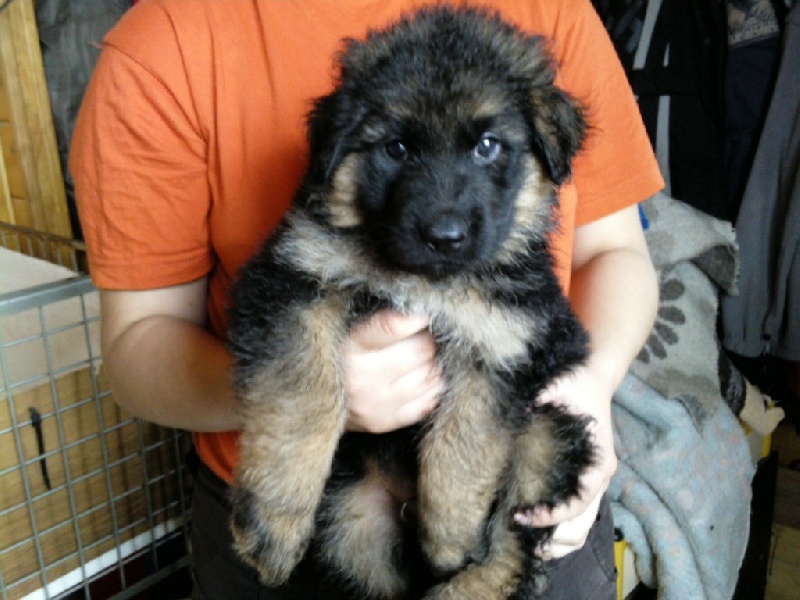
x: 545, y: 462
x: 463, y: 457
x: 294, y: 414
x: 497, y: 577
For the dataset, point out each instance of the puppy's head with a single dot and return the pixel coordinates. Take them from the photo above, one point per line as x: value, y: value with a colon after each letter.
x: 443, y: 142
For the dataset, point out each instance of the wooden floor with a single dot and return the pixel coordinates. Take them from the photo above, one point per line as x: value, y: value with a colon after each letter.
x: 783, y: 581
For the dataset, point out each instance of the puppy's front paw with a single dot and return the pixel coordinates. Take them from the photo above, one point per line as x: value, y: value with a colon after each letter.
x: 443, y: 591
x: 271, y: 541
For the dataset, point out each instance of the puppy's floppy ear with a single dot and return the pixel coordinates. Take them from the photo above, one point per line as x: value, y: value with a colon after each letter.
x: 558, y: 129
x: 331, y: 125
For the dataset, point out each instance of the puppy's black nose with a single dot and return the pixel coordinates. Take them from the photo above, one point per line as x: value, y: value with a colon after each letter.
x: 446, y: 234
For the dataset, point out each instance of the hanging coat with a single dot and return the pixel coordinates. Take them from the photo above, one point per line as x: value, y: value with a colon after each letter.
x: 764, y: 318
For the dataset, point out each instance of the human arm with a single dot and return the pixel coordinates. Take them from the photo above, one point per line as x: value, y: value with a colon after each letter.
x: 160, y: 361
x: 615, y: 294
x: 165, y: 367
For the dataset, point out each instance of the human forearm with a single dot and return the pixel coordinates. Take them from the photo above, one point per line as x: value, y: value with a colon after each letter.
x: 615, y: 294
x: 161, y: 363
x: 172, y: 372
x: 165, y: 367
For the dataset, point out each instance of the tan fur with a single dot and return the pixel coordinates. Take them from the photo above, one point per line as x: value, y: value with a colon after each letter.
x: 497, y: 576
x: 341, y: 202
x: 532, y: 209
x: 495, y: 579
x: 486, y: 106
x: 501, y: 333
x: 277, y: 417
x: 463, y: 455
x: 533, y: 455
x: 465, y: 452
x: 359, y: 538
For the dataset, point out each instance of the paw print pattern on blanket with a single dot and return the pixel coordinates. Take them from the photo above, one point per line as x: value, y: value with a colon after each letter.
x: 668, y: 322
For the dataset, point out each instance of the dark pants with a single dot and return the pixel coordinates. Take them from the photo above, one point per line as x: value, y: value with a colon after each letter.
x: 587, y: 574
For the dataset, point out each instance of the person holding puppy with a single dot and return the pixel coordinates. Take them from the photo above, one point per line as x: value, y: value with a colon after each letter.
x: 188, y: 149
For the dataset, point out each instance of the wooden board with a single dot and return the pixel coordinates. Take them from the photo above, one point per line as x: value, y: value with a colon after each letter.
x: 32, y: 190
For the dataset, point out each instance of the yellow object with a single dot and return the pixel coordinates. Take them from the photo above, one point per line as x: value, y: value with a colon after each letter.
x: 619, y: 554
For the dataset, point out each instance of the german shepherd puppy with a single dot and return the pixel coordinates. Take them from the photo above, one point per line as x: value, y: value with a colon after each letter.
x: 431, y: 190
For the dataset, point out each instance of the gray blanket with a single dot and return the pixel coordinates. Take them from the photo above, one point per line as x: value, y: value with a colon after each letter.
x: 681, y: 495
x: 697, y: 259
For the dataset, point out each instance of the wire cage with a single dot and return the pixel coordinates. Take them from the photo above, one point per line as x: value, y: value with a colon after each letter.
x: 93, y: 502
x: 47, y: 246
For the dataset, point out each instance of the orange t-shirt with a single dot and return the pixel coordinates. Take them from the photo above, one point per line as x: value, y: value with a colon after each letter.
x: 191, y: 138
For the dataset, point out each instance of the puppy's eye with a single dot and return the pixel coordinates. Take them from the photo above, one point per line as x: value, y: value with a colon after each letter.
x: 487, y: 149
x: 396, y: 150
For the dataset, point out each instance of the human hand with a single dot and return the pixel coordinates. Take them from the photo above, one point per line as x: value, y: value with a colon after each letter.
x: 391, y: 378
x: 581, y: 392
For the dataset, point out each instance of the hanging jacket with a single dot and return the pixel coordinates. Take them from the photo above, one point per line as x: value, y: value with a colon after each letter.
x: 764, y: 318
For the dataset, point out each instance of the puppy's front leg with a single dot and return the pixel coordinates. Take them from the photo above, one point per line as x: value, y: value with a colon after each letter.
x: 294, y: 414
x: 463, y: 457
x: 549, y: 456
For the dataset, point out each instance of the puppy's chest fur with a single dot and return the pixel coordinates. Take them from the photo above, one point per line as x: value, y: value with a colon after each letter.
x: 503, y: 332
x: 493, y: 315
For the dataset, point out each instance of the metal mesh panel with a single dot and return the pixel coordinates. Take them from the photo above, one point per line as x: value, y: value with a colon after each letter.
x: 93, y: 502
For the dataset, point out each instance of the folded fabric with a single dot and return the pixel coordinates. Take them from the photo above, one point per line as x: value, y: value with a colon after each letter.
x: 681, y: 495
x: 696, y: 258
